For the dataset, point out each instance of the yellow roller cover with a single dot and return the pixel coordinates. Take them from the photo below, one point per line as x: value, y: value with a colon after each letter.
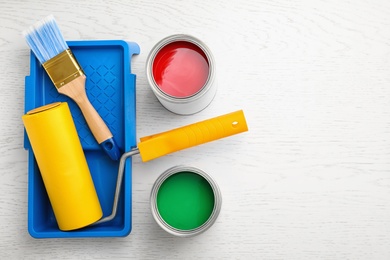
x: 63, y: 166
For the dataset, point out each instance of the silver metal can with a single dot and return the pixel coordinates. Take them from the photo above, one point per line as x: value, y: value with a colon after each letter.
x: 185, y: 201
x: 180, y: 70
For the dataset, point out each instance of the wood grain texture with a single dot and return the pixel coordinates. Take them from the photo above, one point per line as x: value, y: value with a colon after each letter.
x: 310, y: 180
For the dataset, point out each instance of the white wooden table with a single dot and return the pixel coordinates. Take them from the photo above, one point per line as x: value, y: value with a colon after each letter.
x: 311, y: 178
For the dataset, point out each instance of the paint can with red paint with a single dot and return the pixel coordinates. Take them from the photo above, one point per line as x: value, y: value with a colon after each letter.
x: 181, y: 72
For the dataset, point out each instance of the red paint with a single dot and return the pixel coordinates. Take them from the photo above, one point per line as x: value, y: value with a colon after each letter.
x: 180, y: 69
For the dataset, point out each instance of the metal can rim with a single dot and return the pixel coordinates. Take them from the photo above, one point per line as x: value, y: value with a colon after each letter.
x: 192, y: 232
x: 174, y: 38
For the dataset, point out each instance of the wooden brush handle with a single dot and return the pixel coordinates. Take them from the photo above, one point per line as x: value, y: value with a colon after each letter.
x: 76, y: 91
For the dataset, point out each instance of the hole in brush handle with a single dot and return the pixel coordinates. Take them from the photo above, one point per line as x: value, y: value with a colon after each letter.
x: 111, y: 148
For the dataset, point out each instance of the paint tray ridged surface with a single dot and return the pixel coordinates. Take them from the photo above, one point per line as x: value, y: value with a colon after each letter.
x: 110, y: 87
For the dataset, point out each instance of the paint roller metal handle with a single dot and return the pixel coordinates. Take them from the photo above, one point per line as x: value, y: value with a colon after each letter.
x: 154, y: 146
x: 157, y: 145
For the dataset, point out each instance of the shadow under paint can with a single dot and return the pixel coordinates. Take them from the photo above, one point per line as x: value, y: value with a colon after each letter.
x: 185, y: 201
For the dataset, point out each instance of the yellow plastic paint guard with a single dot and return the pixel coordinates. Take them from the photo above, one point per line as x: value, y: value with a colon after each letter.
x: 63, y: 166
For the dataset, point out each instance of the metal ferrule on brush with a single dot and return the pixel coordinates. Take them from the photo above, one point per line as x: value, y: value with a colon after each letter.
x: 63, y: 68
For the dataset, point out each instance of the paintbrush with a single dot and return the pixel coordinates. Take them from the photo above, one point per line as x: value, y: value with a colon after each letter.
x: 46, y: 41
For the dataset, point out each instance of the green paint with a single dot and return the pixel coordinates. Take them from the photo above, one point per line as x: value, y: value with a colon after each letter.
x: 185, y: 200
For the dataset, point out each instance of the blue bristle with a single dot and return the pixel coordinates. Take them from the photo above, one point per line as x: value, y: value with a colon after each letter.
x: 45, y: 39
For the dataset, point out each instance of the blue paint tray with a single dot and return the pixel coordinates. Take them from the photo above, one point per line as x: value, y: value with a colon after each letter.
x: 110, y: 87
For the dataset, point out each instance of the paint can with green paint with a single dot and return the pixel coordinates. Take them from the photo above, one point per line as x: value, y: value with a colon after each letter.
x: 185, y: 201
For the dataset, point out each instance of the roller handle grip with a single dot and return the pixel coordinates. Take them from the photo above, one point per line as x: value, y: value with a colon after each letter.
x: 154, y: 146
